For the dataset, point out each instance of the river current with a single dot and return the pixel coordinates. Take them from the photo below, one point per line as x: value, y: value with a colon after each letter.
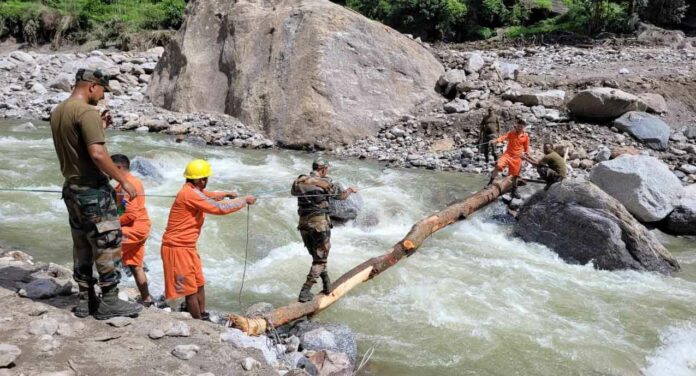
x: 472, y: 301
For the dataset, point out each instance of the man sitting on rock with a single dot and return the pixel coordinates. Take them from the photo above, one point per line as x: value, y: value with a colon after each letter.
x: 552, y: 167
x: 313, y: 193
x: 183, y: 271
x: 490, y: 128
x: 517, y: 149
x: 135, y: 224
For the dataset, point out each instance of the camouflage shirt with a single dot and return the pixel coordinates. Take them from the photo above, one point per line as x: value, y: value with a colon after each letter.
x: 313, y: 194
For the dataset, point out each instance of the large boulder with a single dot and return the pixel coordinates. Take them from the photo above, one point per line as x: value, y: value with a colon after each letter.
x: 549, y: 98
x: 648, y: 129
x: 326, y: 336
x: 308, y: 72
x: 655, y: 102
x: 346, y: 210
x: 643, y: 184
x: 448, y: 82
x: 583, y: 224
x: 682, y: 221
x: 604, y: 103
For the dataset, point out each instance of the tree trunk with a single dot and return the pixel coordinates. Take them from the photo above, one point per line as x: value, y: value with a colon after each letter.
x: 376, y: 265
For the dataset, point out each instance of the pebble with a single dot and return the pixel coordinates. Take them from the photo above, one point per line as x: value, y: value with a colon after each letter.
x: 185, y: 352
x: 250, y: 363
x: 178, y: 329
x: 156, y: 333
x: 120, y: 322
x: 44, y: 326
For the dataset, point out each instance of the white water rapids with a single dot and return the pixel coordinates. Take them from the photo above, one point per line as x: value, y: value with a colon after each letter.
x: 472, y: 300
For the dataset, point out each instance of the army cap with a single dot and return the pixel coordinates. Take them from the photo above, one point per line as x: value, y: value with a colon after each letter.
x: 320, y: 162
x: 93, y: 75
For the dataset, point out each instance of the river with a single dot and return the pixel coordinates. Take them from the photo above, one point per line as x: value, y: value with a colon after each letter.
x: 472, y: 300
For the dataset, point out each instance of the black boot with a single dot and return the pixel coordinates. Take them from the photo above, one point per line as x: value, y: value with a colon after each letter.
x: 326, y: 283
x: 306, y: 292
x: 514, y: 193
x: 111, y: 306
x: 87, y: 302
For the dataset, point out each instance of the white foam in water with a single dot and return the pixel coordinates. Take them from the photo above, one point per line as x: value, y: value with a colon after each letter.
x: 676, y: 355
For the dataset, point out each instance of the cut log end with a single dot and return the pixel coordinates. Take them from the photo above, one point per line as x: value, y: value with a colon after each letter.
x: 253, y: 326
x: 408, y: 245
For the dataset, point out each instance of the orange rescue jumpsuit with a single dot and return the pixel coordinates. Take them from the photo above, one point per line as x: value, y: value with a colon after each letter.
x: 135, y: 224
x: 518, y: 144
x: 183, y: 271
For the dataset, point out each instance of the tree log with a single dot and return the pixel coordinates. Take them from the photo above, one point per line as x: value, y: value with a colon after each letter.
x: 376, y: 265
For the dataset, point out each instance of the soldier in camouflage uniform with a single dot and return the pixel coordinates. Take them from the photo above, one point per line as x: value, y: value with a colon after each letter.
x: 313, y: 193
x: 78, y: 137
x: 490, y: 127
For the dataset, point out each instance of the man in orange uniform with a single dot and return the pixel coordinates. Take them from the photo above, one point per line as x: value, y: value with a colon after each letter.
x: 517, y: 148
x: 135, y: 224
x: 183, y: 272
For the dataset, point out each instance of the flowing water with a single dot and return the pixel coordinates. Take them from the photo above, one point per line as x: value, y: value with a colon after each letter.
x: 472, y: 300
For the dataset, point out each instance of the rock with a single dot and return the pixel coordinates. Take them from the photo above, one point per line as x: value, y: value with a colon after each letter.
x: 22, y: 57
x: 655, y: 102
x: 156, y: 51
x: 682, y: 221
x: 678, y: 137
x: 250, y: 363
x: 8, y: 354
x: 146, y: 168
x: 604, y: 154
x: 327, y: 336
x: 456, y: 106
x: 688, y: 169
x: 240, y: 340
x: 473, y: 62
x: 115, y: 87
x: 346, y: 210
x: 185, y: 352
x: 315, y: 103
x: 329, y: 363
x: 549, y: 98
x: 604, y: 103
x: 43, y: 289
x: 508, y: 71
x: 643, y: 184
x: 610, y: 238
x: 586, y: 164
x: 119, y: 322
x: 624, y: 71
x: 539, y: 111
x: 292, y: 343
x: 24, y: 127
x: 690, y: 132
x: 648, y: 129
x: 62, y: 82
x: 44, y: 326
x: 39, y: 89
x: 148, y: 68
x: 448, y: 82
x: 142, y: 129
x: 7, y: 65
x: 623, y: 150
x: 653, y: 35
x: 178, y: 329
x: 156, y: 333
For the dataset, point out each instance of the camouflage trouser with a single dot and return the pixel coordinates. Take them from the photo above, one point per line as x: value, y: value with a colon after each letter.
x: 485, y: 148
x: 96, y: 233
x: 549, y: 175
x: 316, y: 235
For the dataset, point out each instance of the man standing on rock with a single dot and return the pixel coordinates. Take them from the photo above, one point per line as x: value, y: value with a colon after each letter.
x: 552, y: 167
x: 135, y: 225
x: 183, y: 271
x: 79, y: 140
x: 313, y: 193
x: 489, y: 130
x: 517, y: 149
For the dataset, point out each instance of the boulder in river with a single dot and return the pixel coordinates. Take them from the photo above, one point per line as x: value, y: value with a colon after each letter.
x: 309, y: 72
x: 604, y: 103
x: 648, y: 129
x: 346, y: 210
x: 682, y: 221
x: 326, y: 336
x: 584, y: 224
x: 643, y: 184
x: 146, y: 168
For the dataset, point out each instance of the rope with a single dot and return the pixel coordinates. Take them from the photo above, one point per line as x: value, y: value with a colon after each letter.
x: 366, y: 358
x: 246, y: 257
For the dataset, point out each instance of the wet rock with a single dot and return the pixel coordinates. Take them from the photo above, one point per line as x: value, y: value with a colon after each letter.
x: 185, y: 352
x: 43, y: 326
x: 457, y: 105
x: 142, y: 129
x: 240, y: 340
x: 327, y: 336
x: 8, y: 354
x: 643, y: 184
x: 250, y: 363
x: 604, y: 103
x: 331, y: 363
x: 146, y: 168
x: 610, y: 238
x: 655, y: 102
x: 682, y: 221
x: 346, y: 210
x: 648, y: 129
x: 24, y: 127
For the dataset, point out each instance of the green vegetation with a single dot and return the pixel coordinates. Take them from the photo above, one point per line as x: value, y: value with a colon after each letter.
x: 457, y: 20
x: 87, y: 20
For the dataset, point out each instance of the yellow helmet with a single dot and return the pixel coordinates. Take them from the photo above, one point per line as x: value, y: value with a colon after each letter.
x: 198, y: 169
